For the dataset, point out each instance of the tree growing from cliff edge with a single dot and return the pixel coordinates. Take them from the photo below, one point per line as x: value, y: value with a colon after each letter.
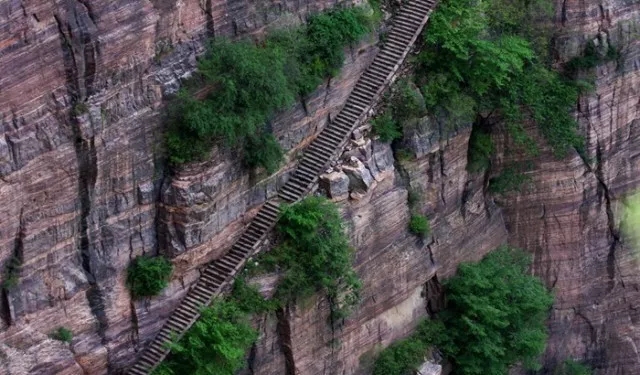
x: 147, y: 276
x: 494, y: 318
x: 495, y: 315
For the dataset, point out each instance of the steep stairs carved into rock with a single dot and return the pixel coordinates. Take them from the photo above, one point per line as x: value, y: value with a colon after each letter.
x: 219, y: 274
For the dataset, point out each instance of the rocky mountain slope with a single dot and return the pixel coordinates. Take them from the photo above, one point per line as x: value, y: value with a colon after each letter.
x: 83, y: 190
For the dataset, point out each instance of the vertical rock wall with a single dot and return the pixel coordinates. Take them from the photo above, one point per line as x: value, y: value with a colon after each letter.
x: 82, y: 181
x: 83, y: 190
x: 568, y: 214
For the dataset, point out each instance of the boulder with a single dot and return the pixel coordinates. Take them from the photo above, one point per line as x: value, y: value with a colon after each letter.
x: 429, y: 368
x: 336, y: 185
x: 360, y: 178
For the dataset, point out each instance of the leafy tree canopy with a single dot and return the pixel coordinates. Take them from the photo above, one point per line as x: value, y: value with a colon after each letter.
x: 147, y: 276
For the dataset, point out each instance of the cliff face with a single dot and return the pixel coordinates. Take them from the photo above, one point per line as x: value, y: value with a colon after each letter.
x: 569, y: 213
x: 82, y: 178
x: 83, y: 190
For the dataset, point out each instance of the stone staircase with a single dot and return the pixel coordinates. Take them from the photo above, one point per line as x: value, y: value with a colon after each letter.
x: 219, y: 274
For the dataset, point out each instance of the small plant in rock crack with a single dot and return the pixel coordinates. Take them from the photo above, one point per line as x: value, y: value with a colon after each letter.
x: 419, y: 225
x: 62, y: 334
x: 11, y: 272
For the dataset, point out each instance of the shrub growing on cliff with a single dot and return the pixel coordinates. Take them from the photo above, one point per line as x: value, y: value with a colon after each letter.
x: 215, y: 345
x: 386, y: 127
x: 218, y: 343
x: 11, y: 272
x: 148, y: 276
x: 494, y: 318
x: 245, y: 84
x: 495, y: 315
x: 404, y: 357
x: 486, y: 57
x: 62, y: 334
x: 572, y: 367
x: 509, y: 180
x: 315, y: 256
x: 419, y: 225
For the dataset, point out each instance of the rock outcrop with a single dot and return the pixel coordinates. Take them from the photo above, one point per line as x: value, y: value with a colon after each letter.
x: 84, y: 189
x: 568, y: 214
x: 83, y: 181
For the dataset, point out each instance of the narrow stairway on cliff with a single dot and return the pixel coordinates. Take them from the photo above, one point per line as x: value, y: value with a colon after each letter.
x: 218, y: 275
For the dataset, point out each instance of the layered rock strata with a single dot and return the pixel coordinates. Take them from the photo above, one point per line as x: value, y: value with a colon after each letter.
x: 83, y: 190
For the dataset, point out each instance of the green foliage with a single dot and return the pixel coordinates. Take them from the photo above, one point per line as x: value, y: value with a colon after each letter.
x: 404, y: 357
x: 407, y: 102
x: 11, y: 272
x: 263, y: 150
x: 401, y: 358
x: 245, y: 84
x: 385, y: 127
x: 80, y: 108
x: 218, y: 342
x: 591, y: 58
x: 62, y: 334
x: 484, y: 61
x: 327, y: 34
x: 509, y: 180
x: 215, y: 345
x: 314, y: 255
x: 413, y: 198
x: 419, y: 225
x: 403, y: 104
x: 572, y: 367
x: 495, y: 315
x: 480, y: 150
x: 494, y: 318
x: 148, y: 276
x: 248, y: 298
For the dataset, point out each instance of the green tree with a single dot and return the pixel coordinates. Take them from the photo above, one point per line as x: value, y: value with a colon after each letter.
x: 315, y: 255
x: 147, y: 276
x: 215, y: 345
x: 495, y: 315
x: 241, y: 85
x: 385, y: 127
x: 484, y: 61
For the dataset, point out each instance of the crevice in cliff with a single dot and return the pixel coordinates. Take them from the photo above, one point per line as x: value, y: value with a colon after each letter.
x: 135, y: 333
x: 79, y: 48
x: 208, y: 14
x: 604, y: 193
x: 80, y: 68
x: 434, y: 296
x: 87, y: 175
x: 284, y: 336
x: 252, y: 358
x: 11, y: 271
x: 613, y: 232
x: 5, y: 309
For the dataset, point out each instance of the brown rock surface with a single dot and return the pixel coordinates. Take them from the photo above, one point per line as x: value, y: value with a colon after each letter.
x: 568, y: 214
x: 393, y: 264
x: 81, y: 178
x: 83, y: 191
